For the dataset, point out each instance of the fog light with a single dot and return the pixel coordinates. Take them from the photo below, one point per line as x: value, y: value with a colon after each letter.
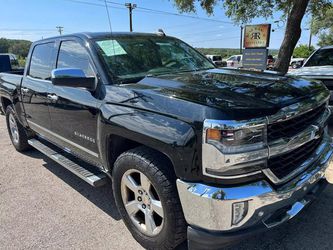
x: 239, y: 211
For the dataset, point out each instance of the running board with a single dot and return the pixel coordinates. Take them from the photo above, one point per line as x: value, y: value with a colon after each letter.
x: 89, y: 173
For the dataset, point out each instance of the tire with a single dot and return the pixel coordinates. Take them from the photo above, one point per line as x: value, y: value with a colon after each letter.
x: 294, y: 65
x: 141, y: 163
x: 16, y: 131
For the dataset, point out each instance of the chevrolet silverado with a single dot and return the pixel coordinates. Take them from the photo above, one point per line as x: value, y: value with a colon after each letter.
x: 194, y: 153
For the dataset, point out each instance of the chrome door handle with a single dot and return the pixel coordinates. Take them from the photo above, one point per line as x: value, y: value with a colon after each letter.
x: 25, y: 90
x: 52, y: 97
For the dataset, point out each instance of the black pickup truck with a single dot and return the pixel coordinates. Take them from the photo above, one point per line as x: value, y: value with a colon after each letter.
x: 194, y: 153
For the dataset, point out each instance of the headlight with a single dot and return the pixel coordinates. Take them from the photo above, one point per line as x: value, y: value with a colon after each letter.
x: 234, y: 148
x: 238, y: 140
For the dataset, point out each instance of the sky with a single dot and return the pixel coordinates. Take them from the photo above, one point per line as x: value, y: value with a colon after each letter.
x: 36, y: 19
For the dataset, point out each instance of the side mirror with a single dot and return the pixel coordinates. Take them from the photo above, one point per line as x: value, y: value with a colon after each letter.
x: 72, y: 78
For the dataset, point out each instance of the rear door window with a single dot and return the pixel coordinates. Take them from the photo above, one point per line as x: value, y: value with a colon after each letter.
x: 42, y: 61
x: 73, y: 55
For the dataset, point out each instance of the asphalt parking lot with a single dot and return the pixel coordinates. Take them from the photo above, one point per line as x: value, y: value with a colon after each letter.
x: 42, y: 205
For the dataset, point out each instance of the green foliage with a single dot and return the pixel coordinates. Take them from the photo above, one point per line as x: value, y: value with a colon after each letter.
x: 21, y: 61
x: 323, y: 27
x: 17, y: 47
x: 226, y: 52
x: 303, y: 51
x: 326, y: 38
x: 4, y: 45
x: 243, y: 11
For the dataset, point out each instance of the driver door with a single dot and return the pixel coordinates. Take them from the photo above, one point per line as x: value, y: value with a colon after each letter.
x: 73, y: 111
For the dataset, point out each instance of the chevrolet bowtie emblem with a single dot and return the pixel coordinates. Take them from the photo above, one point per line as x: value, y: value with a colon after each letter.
x: 315, y: 132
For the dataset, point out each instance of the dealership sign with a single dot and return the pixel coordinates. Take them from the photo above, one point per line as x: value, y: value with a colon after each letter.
x: 255, y: 59
x: 257, y: 36
x: 256, y: 41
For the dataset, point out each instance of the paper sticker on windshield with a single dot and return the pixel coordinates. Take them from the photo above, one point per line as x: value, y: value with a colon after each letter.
x: 111, y: 48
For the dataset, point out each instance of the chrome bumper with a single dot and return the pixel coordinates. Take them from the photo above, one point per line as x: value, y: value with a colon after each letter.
x: 212, y: 208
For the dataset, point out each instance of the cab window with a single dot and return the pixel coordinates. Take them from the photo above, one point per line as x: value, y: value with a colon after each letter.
x: 42, y: 61
x: 73, y: 55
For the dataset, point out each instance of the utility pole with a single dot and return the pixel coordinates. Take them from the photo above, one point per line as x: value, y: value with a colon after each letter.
x: 60, y: 29
x: 241, y: 40
x: 130, y: 7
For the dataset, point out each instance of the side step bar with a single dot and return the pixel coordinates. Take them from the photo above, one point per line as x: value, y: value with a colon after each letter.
x: 92, y: 175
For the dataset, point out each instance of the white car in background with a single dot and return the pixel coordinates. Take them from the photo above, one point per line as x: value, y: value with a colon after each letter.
x: 235, y: 61
x: 296, y: 62
x: 319, y: 66
x: 216, y: 59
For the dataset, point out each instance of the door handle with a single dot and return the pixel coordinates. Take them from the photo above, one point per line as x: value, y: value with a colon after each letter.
x: 52, y: 97
x: 25, y: 90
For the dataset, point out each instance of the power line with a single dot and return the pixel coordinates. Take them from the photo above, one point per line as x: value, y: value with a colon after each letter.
x: 24, y: 29
x: 94, y: 4
x: 149, y: 10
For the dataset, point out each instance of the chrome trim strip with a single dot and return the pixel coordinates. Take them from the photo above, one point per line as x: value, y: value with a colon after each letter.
x: 299, y: 108
x: 62, y: 138
x: 284, y: 145
x: 263, y: 199
x: 234, y: 125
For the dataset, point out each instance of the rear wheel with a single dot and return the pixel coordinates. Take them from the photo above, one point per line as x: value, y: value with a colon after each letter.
x: 146, y: 195
x: 17, y: 132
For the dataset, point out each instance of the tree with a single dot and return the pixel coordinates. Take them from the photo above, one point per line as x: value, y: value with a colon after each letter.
x: 303, y: 51
x: 4, y: 45
x: 243, y: 11
x: 18, y: 47
x: 323, y: 26
x: 325, y: 39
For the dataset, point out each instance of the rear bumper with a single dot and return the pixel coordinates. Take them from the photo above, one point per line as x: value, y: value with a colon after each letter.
x: 210, y: 211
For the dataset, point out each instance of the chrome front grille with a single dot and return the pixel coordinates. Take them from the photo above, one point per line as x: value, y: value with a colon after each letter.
x: 295, y: 125
x: 283, y: 165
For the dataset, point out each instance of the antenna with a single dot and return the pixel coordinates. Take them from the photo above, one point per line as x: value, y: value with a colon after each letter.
x: 110, y: 25
x: 107, y: 11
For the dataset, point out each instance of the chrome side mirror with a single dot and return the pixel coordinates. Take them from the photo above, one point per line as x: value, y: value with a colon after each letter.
x: 72, y: 78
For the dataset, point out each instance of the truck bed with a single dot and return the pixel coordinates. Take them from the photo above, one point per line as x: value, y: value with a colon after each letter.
x: 9, y: 84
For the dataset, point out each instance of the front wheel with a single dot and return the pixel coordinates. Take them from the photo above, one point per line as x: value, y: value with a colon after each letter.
x: 146, y: 196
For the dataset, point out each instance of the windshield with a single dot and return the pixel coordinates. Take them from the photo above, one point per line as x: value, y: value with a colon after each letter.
x: 322, y: 57
x: 132, y: 58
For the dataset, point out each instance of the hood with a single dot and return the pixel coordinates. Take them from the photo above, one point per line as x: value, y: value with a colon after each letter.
x: 314, y: 71
x: 241, y: 92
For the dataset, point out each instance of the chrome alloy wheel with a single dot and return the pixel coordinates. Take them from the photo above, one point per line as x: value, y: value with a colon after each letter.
x: 142, y: 202
x: 13, y: 129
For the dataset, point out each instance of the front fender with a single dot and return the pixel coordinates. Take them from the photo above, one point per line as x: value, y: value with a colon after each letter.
x: 170, y: 136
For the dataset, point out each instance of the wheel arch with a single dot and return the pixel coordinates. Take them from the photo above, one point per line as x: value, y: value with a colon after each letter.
x: 123, y: 128
x: 5, y: 102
